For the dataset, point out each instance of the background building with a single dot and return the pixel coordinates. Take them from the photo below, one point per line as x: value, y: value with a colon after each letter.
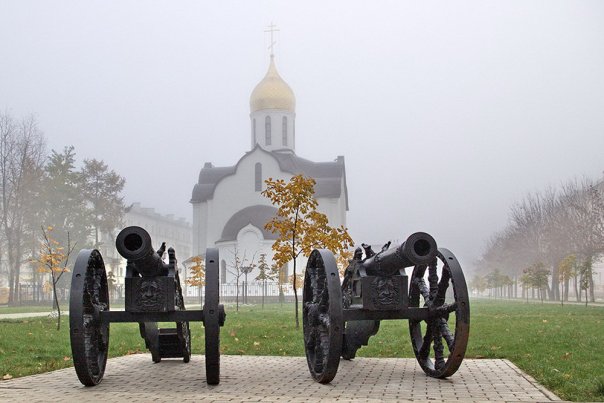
x: 175, y: 232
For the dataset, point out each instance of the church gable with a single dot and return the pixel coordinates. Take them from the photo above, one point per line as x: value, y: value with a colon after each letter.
x: 210, y: 177
x: 257, y: 166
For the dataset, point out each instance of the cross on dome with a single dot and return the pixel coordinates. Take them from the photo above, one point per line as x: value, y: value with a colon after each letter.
x: 272, y: 29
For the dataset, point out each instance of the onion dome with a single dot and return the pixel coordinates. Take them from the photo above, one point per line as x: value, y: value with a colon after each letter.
x: 272, y: 92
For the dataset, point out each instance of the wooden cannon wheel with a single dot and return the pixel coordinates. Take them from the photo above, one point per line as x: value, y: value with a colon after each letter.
x: 89, y: 295
x: 322, y: 316
x: 213, y: 317
x: 436, y: 358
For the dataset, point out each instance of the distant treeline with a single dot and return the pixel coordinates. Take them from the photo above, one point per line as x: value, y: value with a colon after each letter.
x: 45, y: 190
x: 549, y: 247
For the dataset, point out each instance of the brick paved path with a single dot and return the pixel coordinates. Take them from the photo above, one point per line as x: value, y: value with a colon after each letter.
x: 135, y: 378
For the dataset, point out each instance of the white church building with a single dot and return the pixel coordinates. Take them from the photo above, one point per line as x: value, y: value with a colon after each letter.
x: 229, y: 212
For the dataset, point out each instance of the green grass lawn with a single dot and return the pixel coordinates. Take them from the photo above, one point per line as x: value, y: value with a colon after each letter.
x: 27, y: 309
x: 562, y: 347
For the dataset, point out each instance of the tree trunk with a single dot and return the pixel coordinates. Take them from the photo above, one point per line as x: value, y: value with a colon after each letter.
x: 555, y: 290
x: 525, y: 293
x: 263, y: 292
x: 19, y: 254
x: 56, y: 300
x: 576, y: 284
x: 590, y: 279
x: 11, y: 285
x: 237, y: 296
x: 566, y: 287
x: 296, y: 297
x: 11, y: 271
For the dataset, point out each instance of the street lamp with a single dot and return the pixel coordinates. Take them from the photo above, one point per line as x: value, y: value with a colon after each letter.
x: 246, y: 270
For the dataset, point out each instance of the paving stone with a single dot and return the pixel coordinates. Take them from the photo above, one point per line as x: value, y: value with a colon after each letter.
x: 135, y: 378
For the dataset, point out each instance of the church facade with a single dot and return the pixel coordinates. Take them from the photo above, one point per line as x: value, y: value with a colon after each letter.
x: 229, y: 211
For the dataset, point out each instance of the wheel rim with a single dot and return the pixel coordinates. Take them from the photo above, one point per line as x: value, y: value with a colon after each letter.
x: 211, y: 319
x: 89, y: 296
x: 322, y: 316
x: 438, y: 351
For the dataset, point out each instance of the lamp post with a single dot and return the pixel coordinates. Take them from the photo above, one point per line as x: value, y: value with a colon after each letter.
x: 246, y: 270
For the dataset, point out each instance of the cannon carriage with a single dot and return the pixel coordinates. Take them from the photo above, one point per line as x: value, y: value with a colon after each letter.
x: 340, y: 318
x: 152, y: 294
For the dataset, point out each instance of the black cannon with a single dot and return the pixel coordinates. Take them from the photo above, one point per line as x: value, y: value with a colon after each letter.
x: 339, y: 319
x: 153, y: 294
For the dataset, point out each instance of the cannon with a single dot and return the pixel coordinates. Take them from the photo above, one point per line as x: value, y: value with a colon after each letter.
x: 152, y: 294
x: 338, y: 319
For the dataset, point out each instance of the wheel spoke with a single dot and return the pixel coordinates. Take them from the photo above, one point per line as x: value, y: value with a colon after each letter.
x: 421, y: 286
x: 446, y: 333
x: 438, y: 345
x: 433, y: 281
x: 424, y: 350
x: 443, y: 285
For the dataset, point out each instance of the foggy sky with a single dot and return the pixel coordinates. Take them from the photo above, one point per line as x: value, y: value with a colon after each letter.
x: 447, y: 113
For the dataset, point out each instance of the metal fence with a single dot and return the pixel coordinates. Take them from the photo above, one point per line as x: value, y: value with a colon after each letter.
x: 28, y: 294
x: 248, y: 292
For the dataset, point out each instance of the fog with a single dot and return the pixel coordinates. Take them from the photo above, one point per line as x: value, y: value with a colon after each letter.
x: 447, y: 113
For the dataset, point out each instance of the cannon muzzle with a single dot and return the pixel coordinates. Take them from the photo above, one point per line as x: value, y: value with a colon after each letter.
x: 134, y: 244
x: 419, y: 248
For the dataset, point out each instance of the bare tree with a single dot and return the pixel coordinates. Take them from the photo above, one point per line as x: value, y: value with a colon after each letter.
x: 587, y: 210
x: 545, y: 230
x: 266, y: 273
x: 238, y: 265
x: 21, y: 164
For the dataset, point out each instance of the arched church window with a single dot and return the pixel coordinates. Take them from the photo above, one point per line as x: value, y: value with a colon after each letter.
x: 284, y: 131
x: 223, y: 273
x: 258, y: 177
x: 267, y: 130
x: 254, y: 132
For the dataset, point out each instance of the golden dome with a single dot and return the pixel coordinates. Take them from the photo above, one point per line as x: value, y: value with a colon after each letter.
x: 272, y: 92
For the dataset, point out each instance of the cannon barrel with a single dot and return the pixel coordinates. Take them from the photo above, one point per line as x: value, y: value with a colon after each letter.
x: 419, y: 248
x: 134, y: 244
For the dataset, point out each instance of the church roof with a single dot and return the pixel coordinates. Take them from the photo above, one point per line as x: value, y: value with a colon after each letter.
x: 257, y: 215
x: 272, y: 92
x: 208, y: 179
x: 328, y: 175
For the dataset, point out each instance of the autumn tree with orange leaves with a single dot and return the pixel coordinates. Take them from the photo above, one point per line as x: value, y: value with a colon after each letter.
x: 198, y: 274
x: 53, y: 259
x: 301, y: 228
